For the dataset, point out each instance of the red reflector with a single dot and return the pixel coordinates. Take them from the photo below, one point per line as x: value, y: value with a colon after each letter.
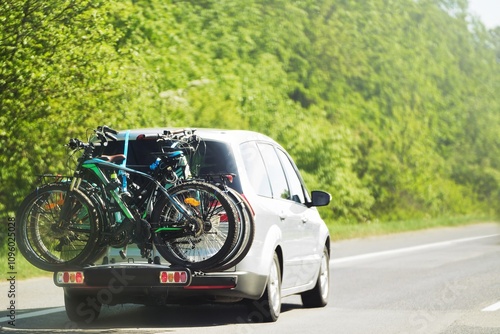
x: 66, y: 277
x: 176, y: 277
x: 209, y: 287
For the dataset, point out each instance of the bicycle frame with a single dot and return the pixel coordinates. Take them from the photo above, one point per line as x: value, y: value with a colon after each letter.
x: 122, y: 211
x: 94, y: 165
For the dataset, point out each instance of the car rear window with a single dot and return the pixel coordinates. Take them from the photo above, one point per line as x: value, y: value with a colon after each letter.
x: 211, y: 158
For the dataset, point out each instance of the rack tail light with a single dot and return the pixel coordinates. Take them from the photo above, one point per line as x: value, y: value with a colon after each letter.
x: 70, y: 277
x: 174, y: 277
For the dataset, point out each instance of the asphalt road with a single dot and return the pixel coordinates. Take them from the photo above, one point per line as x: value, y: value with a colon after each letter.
x: 437, y: 281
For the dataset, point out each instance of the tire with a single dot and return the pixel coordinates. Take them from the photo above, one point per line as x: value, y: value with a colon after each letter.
x: 102, y: 242
x: 247, y: 231
x: 268, y: 307
x: 318, y: 296
x: 211, y: 245
x: 49, y: 243
x: 82, y: 309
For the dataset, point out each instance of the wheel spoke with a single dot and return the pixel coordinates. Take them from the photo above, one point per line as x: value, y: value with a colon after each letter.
x: 214, y: 225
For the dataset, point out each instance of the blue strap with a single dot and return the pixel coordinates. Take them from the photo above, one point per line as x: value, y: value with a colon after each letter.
x: 124, y: 162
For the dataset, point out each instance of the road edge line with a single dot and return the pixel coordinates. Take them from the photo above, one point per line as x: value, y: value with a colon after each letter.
x: 40, y: 313
x: 407, y: 249
x: 492, y: 308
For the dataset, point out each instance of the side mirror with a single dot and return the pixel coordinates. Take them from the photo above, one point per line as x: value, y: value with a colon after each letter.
x: 319, y: 198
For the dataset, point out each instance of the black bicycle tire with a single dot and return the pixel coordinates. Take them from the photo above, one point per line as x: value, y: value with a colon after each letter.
x: 168, y: 251
x: 244, y: 244
x: 102, y: 243
x: 38, y: 254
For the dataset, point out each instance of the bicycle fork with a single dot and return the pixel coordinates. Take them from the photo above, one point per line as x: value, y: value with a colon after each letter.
x: 68, y: 205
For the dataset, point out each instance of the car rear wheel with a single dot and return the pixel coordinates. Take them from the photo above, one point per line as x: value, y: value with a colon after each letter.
x: 82, y: 309
x: 318, y: 296
x: 268, y: 307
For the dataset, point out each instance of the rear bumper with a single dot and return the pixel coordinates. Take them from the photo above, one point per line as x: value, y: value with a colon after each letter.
x: 141, y: 283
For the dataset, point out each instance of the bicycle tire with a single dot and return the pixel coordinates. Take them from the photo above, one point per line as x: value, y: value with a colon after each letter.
x: 207, y: 250
x: 94, y: 193
x: 45, y: 244
x: 247, y: 231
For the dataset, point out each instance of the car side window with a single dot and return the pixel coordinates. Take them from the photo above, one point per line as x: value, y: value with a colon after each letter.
x: 275, y: 171
x: 255, y: 168
x: 296, y: 189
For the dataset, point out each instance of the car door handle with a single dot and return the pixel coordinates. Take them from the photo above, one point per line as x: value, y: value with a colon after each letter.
x: 304, y: 219
x: 282, y: 215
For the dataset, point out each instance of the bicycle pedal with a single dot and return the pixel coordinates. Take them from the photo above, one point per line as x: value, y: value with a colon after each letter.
x: 123, y: 254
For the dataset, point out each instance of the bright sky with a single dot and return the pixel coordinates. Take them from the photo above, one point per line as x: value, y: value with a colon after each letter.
x: 487, y: 10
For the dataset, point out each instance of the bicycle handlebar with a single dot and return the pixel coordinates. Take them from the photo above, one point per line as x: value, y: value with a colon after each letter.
x: 185, y: 135
x: 75, y: 143
x: 184, y: 132
x: 103, y: 133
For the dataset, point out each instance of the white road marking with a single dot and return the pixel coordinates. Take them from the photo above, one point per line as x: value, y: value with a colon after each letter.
x: 40, y: 313
x: 492, y: 308
x: 407, y: 249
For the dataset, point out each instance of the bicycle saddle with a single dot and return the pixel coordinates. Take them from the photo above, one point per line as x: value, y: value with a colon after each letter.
x: 117, y: 158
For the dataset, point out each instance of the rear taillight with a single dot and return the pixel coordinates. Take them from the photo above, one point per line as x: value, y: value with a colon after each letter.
x: 248, y: 203
x: 174, y: 277
x: 70, y: 277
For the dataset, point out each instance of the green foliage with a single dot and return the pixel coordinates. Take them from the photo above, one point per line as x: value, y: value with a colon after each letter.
x: 390, y: 105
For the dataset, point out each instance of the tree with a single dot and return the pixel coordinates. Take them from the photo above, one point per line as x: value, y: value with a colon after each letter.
x: 61, y: 71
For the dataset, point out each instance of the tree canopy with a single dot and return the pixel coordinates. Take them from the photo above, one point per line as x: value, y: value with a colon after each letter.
x: 390, y: 105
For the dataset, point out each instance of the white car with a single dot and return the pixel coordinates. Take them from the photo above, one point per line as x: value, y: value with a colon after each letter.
x: 289, y: 253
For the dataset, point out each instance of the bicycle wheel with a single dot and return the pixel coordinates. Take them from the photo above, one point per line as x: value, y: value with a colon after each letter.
x: 95, y: 195
x: 245, y: 217
x: 51, y: 239
x: 202, y: 245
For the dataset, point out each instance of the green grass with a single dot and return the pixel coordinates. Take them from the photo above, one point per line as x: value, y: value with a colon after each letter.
x: 341, y: 231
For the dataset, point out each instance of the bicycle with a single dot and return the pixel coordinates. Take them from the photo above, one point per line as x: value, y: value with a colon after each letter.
x: 187, y: 142
x: 244, y: 215
x: 72, y: 221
